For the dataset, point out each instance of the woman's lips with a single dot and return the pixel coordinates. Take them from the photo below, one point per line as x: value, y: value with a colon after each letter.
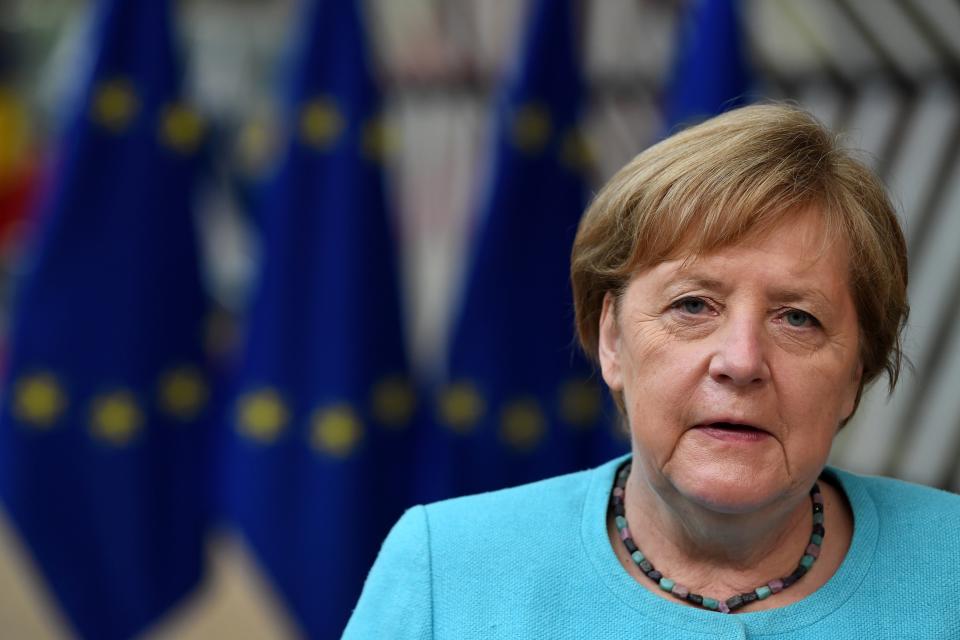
x: 733, y: 432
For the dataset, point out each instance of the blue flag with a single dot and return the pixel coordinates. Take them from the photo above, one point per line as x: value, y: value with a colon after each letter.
x: 103, y: 437
x: 710, y: 73
x: 520, y: 402
x: 319, y: 451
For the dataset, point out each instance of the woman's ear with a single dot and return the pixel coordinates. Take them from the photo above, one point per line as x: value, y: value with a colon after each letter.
x: 608, y: 347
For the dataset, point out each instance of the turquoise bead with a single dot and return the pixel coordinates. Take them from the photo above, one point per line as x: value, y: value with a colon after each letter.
x: 666, y: 584
x: 763, y: 592
x: 818, y: 518
x: 621, y: 522
x: 806, y: 561
x: 710, y: 603
x: 638, y: 557
x: 816, y: 539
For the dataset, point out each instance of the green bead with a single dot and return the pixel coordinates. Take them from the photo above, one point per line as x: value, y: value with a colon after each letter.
x: 638, y: 557
x: 710, y: 603
x: 806, y: 561
x: 818, y: 518
x: 621, y: 522
x: 816, y: 539
x: 763, y: 592
x: 666, y: 584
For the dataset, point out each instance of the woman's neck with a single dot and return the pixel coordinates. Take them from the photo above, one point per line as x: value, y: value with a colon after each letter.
x: 719, y: 554
x: 744, y: 550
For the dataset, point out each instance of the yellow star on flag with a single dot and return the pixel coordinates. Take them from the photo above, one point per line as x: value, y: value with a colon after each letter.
x: 321, y: 124
x: 580, y: 402
x: 261, y: 415
x: 460, y: 407
x: 38, y: 400
x: 530, y: 128
x: 182, y: 392
x: 335, y: 430
x: 522, y: 424
x: 115, y: 417
x: 114, y: 105
x: 392, y: 400
x: 378, y: 139
x: 181, y: 128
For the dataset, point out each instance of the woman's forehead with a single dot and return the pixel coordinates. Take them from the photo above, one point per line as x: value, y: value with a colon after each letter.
x: 796, y: 260
x: 807, y: 233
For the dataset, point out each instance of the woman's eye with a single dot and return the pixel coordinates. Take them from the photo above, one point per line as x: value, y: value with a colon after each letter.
x: 799, y: 319
x: 692, y: 306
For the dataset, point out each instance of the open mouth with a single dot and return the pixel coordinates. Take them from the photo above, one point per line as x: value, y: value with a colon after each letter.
x: 733, y: 431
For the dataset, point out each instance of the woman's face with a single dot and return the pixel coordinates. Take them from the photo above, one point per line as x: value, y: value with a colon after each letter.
x: 737, y: 367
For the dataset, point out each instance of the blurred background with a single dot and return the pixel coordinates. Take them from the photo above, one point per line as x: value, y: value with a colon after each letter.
x: 273, y: 271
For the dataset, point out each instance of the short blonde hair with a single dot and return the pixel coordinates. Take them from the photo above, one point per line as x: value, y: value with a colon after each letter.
x: 713, y: 185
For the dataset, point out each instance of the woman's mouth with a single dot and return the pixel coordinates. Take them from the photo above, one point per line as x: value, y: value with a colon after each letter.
x: 733, y: 432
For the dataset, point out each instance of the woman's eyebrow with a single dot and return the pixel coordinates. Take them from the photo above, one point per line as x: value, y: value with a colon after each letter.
x: 797, y: 295
x: 683, y: 281
x: 778, y: 295
x: 814, y: 299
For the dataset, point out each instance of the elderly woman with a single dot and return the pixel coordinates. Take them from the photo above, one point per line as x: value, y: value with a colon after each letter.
x: 739, y: 284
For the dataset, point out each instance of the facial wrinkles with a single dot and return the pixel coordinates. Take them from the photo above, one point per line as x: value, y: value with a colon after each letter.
x: 773, y: 305
x: 643, y: 331
x: 649, y: 348
x: 738, y: 325
x: 770, y: 352
x: 787, y: 375
x: 744, y: 368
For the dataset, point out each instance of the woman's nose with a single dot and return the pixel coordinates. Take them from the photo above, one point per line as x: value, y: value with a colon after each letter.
x: 739, y: 357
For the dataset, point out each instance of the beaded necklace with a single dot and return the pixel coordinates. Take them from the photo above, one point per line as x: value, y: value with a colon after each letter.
x: 810, y: 555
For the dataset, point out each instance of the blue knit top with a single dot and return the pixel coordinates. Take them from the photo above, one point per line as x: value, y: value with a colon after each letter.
x: 535, y: 562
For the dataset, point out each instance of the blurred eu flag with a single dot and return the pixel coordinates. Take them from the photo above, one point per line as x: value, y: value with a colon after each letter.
x: 319, y: 451
x: 520, y: 402
x: 103, y: 435
x: 710, y: 73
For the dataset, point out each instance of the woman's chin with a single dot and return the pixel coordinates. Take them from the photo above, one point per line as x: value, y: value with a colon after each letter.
x: 730, y: 490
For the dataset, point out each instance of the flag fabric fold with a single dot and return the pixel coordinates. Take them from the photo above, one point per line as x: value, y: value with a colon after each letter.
x: 319, y: 452
x: 103, y: 432
x: 520, y: 402
x: 710, y: 74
